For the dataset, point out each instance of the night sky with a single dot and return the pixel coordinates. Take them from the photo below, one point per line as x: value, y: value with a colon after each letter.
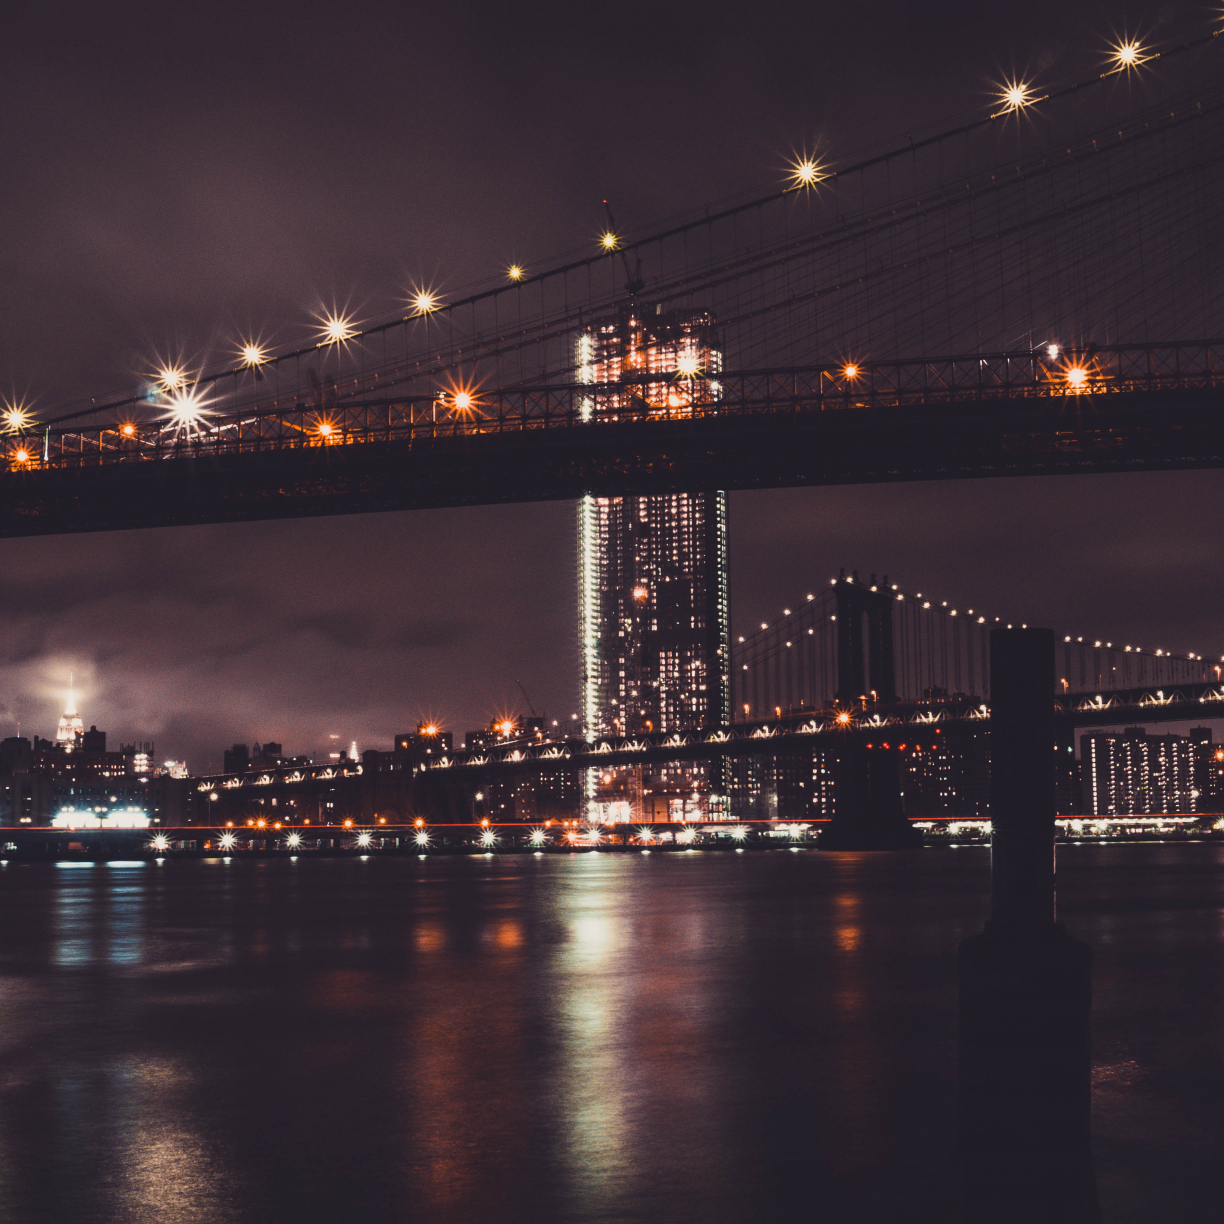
x: 175, y: 176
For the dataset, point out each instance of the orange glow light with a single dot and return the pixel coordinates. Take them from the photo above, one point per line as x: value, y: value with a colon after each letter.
x: 1077, y: 377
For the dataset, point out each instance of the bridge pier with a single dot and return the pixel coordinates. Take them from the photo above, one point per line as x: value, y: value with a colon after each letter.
x: 1025, y: 984
x: 869, y: 814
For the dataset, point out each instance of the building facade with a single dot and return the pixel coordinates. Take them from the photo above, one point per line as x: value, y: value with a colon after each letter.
x: 1137, y: 774
x: 652, y: 575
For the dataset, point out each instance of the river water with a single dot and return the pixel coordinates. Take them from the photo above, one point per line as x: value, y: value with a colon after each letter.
x: 714, y: 1037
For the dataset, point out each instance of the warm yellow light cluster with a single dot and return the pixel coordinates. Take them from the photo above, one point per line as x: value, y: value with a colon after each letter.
x: 1128, y: 54
x: 337, y: 328
x: 805, y: 172
x: 16, y: 417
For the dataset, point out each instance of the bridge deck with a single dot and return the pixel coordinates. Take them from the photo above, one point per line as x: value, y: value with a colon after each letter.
x: 784, y: 446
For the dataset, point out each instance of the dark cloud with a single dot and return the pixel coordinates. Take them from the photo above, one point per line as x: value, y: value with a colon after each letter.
x: 175, y: 177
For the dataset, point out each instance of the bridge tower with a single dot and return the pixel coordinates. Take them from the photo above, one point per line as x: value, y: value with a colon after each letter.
x: 865, y: 660
x: 869, y: 812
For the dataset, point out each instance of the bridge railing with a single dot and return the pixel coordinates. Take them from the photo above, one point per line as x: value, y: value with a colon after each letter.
x: 184, y: 430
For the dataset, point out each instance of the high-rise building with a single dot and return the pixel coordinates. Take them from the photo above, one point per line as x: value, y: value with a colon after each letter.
x: 71, y: 728
x: 1136, y: 774
x: 652, y: 574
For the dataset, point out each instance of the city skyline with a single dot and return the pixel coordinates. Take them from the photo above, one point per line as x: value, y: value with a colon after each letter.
x: 197, y: 636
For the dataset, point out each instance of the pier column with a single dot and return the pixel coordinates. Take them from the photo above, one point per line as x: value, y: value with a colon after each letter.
x: 867, y: 787
x: 1025, y: 985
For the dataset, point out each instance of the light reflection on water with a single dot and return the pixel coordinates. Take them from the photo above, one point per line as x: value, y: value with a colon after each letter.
x: 604, y: 1037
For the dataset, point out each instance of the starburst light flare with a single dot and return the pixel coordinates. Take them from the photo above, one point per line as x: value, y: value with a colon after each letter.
x: 424, y: 300
x: 337, y: 328
x: 171, y: 378
x: 515, y: 272
x: 805, y: 172
x: 16, y: 417
x: 253, y: 354
x: 609, y: 241
x: 1016, y: 95
x: 1128, y: 54
x: 187, y: 408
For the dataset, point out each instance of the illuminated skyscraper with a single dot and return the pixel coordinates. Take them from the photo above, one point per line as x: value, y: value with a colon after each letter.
x: 653, y: 586
x: 70, y: 725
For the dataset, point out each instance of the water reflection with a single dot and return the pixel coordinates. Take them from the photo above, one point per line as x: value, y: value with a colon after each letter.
x: 713, y: 1038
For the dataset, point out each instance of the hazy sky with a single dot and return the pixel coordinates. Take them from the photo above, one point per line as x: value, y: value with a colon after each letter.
x: 174, y: 175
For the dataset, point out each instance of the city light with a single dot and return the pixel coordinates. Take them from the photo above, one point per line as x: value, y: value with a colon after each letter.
x: 850, y: 370
x: 843, y: 718
x: 171, y: 378
x: 128, y: 429
x: 461, y: 398
x: 1053, y: 350
x: 1076, y: 376
x: 160, y: 842
x: 1016, y: 95
x: 16, y: 417
x: 805, y: 172
x: 1128, y: 54
x: 186, y: 407
x: 609, y: 241
x: 488, y: 838
x: 21, y: 455
x: 227, y: 841
x: 515, y: 272
x: 253, y: 355
x: 337, y: 328
x: 640, y: 594
x: 364, y: 839
x: 421, y: 838
x: 687, y: 367
x: 325, y: 429
x: 739, y: 833
x: 424, y: 301
x: 537, y: 837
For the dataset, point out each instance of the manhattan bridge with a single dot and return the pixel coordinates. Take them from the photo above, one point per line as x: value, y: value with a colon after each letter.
x: 1036, y: 290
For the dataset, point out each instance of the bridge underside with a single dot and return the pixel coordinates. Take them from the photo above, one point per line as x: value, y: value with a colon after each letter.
x: 1037, y: 436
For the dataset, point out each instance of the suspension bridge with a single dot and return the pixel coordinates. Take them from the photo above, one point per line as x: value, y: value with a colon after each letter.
x: 857, y: 675
x: 1035, y: 290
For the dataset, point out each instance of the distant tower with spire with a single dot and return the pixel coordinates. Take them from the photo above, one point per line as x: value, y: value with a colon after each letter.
x: 70, y: 728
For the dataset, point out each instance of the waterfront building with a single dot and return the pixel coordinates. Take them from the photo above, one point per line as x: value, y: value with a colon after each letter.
x: 652, y: 575
x: 1208, y: 771
x: 1137, y: 774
